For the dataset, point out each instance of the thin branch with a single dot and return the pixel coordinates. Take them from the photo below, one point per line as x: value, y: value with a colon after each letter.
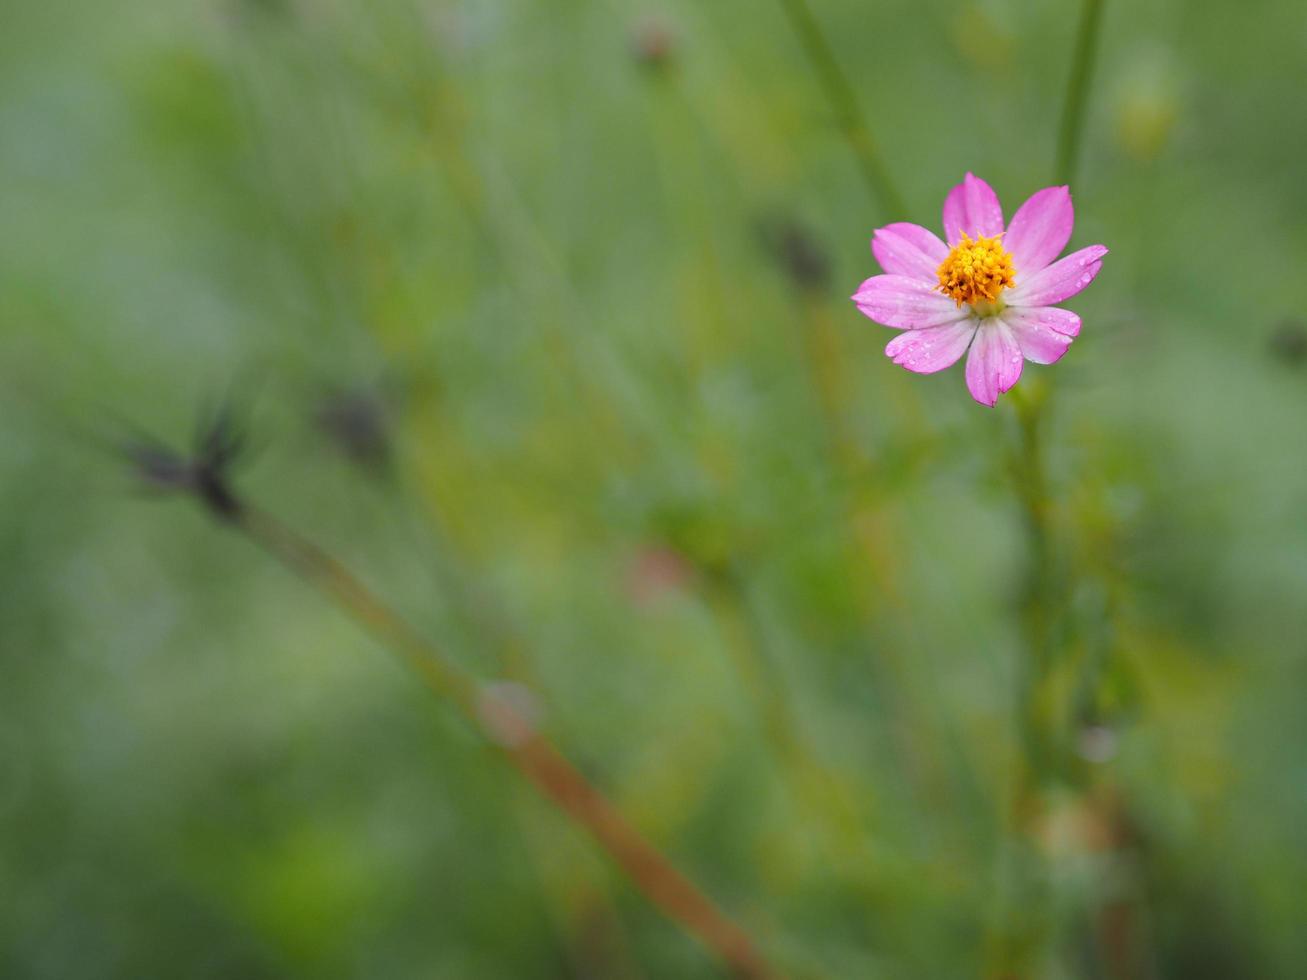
x: 512, y: 729
x: 843, y: 101
x: 1082, y: 70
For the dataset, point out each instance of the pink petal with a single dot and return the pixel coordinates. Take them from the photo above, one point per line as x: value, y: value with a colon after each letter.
x: 994, y: 364
x: 1042, y: 333
x: 1061, y: 280
x: 972, y: 207
x: 933, y: 349
x: 908, y: 304
x: 1052, y: 317
x: 905, y: 249
x: 1040, y: 230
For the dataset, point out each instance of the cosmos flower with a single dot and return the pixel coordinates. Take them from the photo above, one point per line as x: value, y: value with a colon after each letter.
x: 989, y: 291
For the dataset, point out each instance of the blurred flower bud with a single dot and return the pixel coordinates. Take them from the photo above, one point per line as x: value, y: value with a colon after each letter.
x: 798, y: 252
x: 656, y: 571
x: 653, y: 43
x: 1146, y: 105
x: 981, y: 38
x: 357, y: 424
x: 702, y: 536
x: 1289, y: 342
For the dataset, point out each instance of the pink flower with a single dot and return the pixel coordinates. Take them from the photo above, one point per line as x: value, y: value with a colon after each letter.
x: 990, y: 289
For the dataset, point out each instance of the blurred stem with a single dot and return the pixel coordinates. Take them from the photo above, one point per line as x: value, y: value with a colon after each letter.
x: 513, y: 731
x: 529, y: 262
x: 843, y: 102
x: 753, y: 668
x: 1082, y: 70
x: 1021, y: 924
x: 1022, y: 927
x: 1039, y: 591
x: 815, y: 785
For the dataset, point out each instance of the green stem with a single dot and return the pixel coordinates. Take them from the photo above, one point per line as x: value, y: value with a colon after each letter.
x: 1020, y: 929
x: 1039, y: 594
x: 844, y: 103
x: 1082, y: 70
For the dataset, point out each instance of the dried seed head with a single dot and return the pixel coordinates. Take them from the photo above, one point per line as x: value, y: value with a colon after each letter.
x: 798, y: 252
x: 206, y: 472
x: 357, y: 423
x: 1289, y: 342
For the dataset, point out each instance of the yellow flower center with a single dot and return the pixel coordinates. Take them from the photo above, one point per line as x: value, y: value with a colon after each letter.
x: 976, y: 271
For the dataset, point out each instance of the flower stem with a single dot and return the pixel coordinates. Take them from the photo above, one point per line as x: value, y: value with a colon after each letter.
x: 1082, y: 70
x: 1020, y: 929
x: 1039, y: 593
x: 843, y: 101
x: 509, y: 728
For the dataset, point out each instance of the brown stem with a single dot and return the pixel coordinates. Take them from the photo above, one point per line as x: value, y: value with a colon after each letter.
x: 652, y: 873
x: 512, y: 730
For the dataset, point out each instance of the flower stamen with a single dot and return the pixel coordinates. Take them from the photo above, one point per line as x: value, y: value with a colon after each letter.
x: 976, y: 271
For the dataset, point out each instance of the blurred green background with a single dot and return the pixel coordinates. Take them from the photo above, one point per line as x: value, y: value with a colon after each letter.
x: 538, y: 311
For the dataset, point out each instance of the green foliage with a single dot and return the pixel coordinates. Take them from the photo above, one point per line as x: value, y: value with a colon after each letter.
x: 583, y: 268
